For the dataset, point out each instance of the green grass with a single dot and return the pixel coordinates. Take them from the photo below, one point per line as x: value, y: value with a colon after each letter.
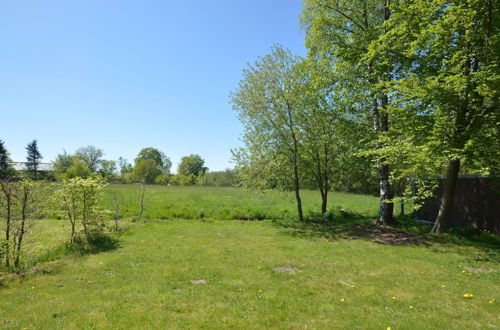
x: 144, y: 281
x: 225, y: 203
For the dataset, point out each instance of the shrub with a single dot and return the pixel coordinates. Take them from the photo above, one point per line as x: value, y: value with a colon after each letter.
x: 77, y: 201
x: 163, y: 179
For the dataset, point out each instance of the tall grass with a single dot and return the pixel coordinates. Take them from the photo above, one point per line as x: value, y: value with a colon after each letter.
x: 227, y: 203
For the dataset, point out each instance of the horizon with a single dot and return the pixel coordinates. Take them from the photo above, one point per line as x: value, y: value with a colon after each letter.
x: 126, y: 76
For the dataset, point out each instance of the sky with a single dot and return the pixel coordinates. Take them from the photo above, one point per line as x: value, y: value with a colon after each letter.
x: 124, y: 75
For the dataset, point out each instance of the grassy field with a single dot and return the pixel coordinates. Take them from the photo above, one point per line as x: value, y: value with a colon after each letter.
x: 199, y: 272
x: 226, y: 203
x: 237, y: 274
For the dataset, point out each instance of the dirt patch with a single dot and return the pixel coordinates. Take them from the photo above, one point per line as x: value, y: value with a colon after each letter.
x: 479, y: 270
x: 200, y: 281
x: 286, y: 270
x: 387, y: 235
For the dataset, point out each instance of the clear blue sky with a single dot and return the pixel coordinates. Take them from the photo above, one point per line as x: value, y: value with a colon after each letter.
x: 123, y: 75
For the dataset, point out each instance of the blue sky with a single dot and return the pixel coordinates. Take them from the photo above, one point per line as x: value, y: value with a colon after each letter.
x: 123, y: 75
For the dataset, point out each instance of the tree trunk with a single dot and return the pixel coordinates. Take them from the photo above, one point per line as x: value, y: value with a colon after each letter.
x: 143, y: 187
x: 444, y: 216
x: 386, y: 205
x: 381, y: 124
x: 324, y: 202
x: 296, y: 184
x: 402, y: 208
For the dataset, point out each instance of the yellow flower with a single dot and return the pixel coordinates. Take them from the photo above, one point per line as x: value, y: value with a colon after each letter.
x: 468, y: 295
x: 353, y: 286
x: 388, y: 328
x: 463, y: 271
x: 491, y: 301
x: 443, y: 286
x: 89, y: 282
x: 260, y: 290
x: 342, y: 300
x: 32, y: 287
x: 411, y: 307
x: 394, y: 298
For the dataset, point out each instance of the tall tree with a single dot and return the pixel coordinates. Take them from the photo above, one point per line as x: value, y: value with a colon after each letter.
x: 6, y: 169
x: 342, y: 30
x: 192, y: 165
x: 268, y: 106
x: 448, y: 94
x: 33, y: 158
x: 90, y: 156
x: 161, y: 160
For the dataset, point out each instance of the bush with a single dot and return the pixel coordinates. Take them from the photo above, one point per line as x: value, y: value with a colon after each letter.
x: 163, y: 179
x: 183, y: 180
x: 77, y: 200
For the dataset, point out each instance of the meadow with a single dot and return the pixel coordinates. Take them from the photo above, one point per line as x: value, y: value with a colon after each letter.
x: 227, y: 203
x: 342, y: 273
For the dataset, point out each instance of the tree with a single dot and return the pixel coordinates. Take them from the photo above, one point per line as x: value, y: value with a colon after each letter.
x: 8, y: 191
x: 192, y: 165
x: 77, y: 169
x: 90, y: 156
x: 6, y: 169
x: 268, y: 107
x: 340, y: 33
x: 124, y: 166
x: 162, y: 161
x: 33, y: 158
x: 108, y: 169
x: 29, y: 201
x: 62, y: 162
x: 146, y: 171
x: 449, y: 88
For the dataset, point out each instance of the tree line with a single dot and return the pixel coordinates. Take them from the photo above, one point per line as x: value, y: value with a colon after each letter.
x: 404, y: 90
x: 151, y: 166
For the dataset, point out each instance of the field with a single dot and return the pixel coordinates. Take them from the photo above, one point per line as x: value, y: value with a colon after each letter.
x: 203, y: 273
x: 227, y: 203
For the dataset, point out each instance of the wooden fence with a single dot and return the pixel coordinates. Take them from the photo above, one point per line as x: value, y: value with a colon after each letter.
x: 476, y: 203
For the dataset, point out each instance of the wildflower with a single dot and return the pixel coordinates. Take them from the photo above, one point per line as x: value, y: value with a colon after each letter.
x: 90, y: 282
x: 468, y: 295
x: 394, y: 298
x: 388, y: 328
x: 342, y: 300
x: 491, y: 301
x: 443, y: 286
x: 260, y: 290
x: 353, y: 286
x: 463, y: 271
x: 411, y: 307
x: 32, y: 287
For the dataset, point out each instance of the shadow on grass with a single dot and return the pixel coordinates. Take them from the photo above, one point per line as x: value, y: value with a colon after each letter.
x: 41, y: 265
x: 403, y: 232
x: 98, y: 245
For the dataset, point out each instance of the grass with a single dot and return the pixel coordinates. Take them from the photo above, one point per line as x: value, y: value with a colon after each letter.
x: 203, y: 273
x: 145, y: 281
x: 226, y: 203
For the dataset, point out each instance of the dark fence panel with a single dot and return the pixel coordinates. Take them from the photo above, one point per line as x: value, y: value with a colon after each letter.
x: 476, y: 203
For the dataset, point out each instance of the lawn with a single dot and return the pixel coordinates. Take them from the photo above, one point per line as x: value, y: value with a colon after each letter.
x: 257, y: 274
x: 227, y: 203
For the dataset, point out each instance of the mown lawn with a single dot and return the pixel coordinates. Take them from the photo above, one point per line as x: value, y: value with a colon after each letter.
x: 227, y: 203
x: 256, y: 275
